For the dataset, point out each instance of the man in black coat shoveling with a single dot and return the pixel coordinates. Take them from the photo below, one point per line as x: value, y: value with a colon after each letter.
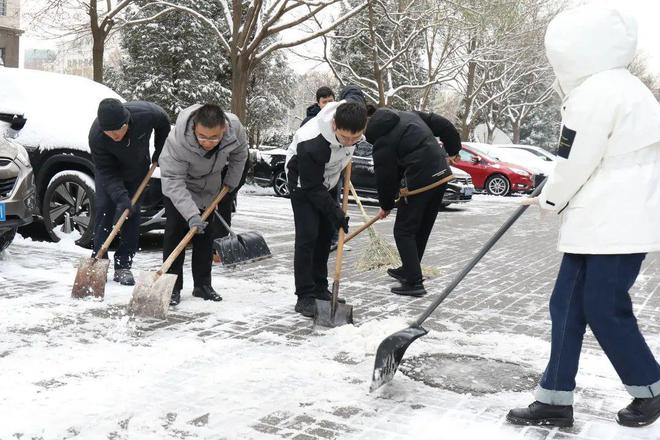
x: 320, y: 150
x: 119, y: 142
x: 405, y: 150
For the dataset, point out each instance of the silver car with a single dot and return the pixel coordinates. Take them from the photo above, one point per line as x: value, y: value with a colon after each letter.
x: 18, y: 202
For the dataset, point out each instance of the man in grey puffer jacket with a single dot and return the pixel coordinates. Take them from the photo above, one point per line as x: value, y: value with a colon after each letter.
x: 205, y: 139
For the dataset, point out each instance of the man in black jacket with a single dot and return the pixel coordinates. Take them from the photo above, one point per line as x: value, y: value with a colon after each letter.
x: 320, y: 150
x: 119, y: 142
x: 324, y: 95
x: 405, y: 149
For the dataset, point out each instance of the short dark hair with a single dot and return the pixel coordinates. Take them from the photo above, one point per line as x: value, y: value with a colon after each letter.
x: 351, y: 116
x: 209, y: 115
x: 324, y: 92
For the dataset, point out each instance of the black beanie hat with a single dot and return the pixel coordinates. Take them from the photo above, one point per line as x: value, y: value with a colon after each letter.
x: 112, y: 114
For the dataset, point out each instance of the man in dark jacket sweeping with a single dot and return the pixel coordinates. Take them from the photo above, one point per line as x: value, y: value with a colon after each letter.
x: 405, y: 148
x: 320, y: 150
x: 205, y: 140
x: 119, y: 142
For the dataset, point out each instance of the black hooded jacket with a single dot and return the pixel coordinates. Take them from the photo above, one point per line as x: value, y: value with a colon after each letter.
x: 404, y: 147
x: 312, y: 111
x: 128, y: 160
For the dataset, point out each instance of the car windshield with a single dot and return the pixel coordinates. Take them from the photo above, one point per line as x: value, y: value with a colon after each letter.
x: 483, y: 154
x: 363, y: 149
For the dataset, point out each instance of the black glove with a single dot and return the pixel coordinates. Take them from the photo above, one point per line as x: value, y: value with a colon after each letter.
x: 196, y: 222
x: 124, y: 204
x: 18, y: 122
x: 344, y: 224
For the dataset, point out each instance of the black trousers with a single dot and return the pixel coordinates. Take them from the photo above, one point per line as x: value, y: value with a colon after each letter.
x: 104, y: 218
x: 313, y: 235
x: 412, y: 227
x: 176, y: 227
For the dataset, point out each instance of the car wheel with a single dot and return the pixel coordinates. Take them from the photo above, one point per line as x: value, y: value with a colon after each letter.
x: 68, y: 207
x: 280, y: 184
x: 6, y: 237
x: 498, y: 185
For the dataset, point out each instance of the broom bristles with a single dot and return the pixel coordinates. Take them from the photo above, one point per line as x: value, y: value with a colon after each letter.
x: 380, y: 253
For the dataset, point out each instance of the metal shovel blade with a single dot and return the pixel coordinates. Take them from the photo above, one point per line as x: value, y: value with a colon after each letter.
x: 241, y: 248
x: 390, y: 352
x: 325, y: 316
x: 91, y: 278
x: 151, y: 295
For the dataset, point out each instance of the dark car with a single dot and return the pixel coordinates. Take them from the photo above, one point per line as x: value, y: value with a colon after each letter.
x: 269, y: 171
x: 55, y: 137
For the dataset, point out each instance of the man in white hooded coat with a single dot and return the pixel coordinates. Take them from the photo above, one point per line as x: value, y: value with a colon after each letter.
x: 606, y: 188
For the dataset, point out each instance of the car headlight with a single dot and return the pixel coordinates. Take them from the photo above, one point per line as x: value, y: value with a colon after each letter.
x: 22, y: 155
x: 520, y: 172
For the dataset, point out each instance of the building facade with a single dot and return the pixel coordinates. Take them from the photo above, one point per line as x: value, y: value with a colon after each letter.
x: 10, y: 32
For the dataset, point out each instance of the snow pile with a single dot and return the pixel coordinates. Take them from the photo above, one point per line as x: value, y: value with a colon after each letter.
x: 59, y: 108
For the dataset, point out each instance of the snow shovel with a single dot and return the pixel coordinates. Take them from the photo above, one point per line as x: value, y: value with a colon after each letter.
x: 333, y: 313
x: 93, y: 272
x: 240, y: 248
x: 152, y: 293
x: 391, y: 349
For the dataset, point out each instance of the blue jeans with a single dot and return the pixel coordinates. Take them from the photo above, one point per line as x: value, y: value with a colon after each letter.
x: 593, y: 290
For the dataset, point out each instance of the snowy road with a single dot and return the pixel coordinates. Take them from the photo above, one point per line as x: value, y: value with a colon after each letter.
x: 250, y: 368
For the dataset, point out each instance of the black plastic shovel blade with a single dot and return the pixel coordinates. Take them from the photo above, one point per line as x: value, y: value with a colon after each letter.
x: 390, y: 352
x: 325, y: 316
x: 241, y: 248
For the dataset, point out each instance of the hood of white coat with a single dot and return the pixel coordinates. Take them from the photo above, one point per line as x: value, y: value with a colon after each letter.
x: 587, y: 40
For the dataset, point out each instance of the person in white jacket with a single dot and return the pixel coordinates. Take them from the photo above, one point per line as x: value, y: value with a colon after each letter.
x: 606, y: 187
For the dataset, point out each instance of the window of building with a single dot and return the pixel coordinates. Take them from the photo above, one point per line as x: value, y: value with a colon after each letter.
x: 2, y: 54
x: 3, y: 7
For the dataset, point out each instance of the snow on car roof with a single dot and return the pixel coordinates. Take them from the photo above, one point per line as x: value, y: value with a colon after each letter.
x: 59, y: 108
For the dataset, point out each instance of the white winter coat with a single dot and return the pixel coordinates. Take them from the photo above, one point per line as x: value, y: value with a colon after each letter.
x: 606, y: 184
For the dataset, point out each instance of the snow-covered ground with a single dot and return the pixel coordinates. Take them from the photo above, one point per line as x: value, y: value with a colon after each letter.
x: 250, y: 368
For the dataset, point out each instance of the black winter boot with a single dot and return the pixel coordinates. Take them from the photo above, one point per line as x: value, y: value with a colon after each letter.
x: 542, y: 414
x: 207, y: 293
x: 326, y: 295
x: 124, y: 277
x: 410, y: 289
x: 640, y: 412
x: 397, y: 274
x: 175, y: 299
x: 306, y: 306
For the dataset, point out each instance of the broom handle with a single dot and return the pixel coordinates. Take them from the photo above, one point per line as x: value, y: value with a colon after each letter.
x: 340, y: 242
x: 124, y: 215
x: 486, y: 247
x: 361, y: 229
x: 175, y: 253
x: 359, y: 203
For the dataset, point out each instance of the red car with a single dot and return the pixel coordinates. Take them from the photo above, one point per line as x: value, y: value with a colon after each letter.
x: 491, y: 175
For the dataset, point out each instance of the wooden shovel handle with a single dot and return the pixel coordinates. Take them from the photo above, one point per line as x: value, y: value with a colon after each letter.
x: 124, y: 215
x: 182, y: 245
x: 344, y: 207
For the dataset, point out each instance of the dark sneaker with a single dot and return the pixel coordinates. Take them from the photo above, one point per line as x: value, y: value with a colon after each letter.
x: 408, y: 289
x: 175, y: 299
x: 397, y: 274
x: 542, y: 414
x: 306, y: 306
x: 124, y: 277
x: 326, y: 295
x: 207, y: 293
x: 640, y: 412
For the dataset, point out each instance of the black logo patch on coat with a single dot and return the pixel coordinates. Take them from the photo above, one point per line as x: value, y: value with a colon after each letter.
x: 566, y: 142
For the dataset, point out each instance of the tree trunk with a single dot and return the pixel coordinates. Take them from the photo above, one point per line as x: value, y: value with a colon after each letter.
x: 98, y: 42
x: 515, y: 125
x: 239, y: 84
x: 378, y: 74
x: 466, y: 120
